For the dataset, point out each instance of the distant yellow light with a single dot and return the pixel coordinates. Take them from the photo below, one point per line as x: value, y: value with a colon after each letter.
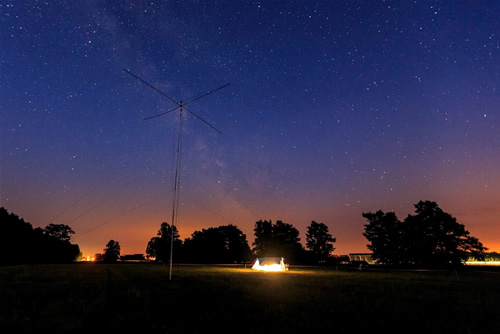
x: 483, y: 263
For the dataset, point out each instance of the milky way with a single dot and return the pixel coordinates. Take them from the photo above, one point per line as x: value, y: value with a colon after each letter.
x: 333, y: 109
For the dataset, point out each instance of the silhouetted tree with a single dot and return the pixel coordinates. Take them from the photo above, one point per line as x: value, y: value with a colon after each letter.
x: 20, y: 243
x: 223, y: 244
x: 16, y: 239
x: 159, y: 246
x: 385, y: 232
x: 279, y: 239
x: 50, y: 249
x: 236, y: 242
x: 111, y: 252
x: 59, y: 231
x: 263, y: 232
x: 319, y: 241
x: 156, y: 249
x: 432, y: 237
x: 206, y: 246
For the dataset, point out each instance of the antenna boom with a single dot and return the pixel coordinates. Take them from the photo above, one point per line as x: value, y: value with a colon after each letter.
x: 204, y: 121
x: 163, y: 113
x: 207, y: 93
x: 153, y: 87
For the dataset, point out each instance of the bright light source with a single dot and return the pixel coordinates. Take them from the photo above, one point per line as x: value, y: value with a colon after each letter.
x: 483, y: 263
x: 271, y: 267
x: 270, y: 264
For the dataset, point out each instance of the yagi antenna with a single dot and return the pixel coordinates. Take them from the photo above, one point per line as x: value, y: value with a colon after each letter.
x: 179, y: 106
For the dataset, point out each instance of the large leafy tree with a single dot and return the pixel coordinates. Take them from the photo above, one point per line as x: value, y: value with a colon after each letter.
x: 223, y: 244
x: 205, y: 246
x: 385, y: 232
x: 431, y: 237
x: 59, y: 231
x: 111, y: 252
x: 279, y: 239
x: 263, y: 242
x: 159, y: 247
x: 319, y: 241
x: 54, y: 246
x: 236, y: 243
x: 434, y: 237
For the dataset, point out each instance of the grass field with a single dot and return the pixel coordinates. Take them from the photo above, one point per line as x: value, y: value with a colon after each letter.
x: 203, y: 299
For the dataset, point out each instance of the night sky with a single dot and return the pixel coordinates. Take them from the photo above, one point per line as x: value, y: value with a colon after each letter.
x: 334, y: 108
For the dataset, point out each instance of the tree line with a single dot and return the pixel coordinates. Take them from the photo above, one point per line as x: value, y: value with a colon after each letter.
x: 228, y: 244
x: 20, y: 243
x: 429, y: 238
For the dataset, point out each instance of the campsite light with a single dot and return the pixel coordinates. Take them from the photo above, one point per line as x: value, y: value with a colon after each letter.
x: 270, y: 267
x: 269, y: 264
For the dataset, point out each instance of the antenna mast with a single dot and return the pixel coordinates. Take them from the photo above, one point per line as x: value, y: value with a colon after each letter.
x: 179, y: 106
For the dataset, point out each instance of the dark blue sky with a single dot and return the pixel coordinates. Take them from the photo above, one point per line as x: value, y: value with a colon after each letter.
x: 333, y: 109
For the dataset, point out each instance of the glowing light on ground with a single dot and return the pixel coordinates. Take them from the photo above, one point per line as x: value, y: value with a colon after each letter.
x: 483, y: 263
x: 274, y: 264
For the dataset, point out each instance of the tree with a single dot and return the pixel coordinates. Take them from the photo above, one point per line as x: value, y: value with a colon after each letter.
x: 236, y: 244
x: 54, y: 248
x: 59, y: 231
x: 156, y: 249
x: 111, y: 252
x: 434, y: 237
x: 384, y: 232
x: 16, y: 239
x: 223, y: 244
x: 206, y: 246
x: 263, y: 242
x: 159, y: 247
x: 21, y: 243
x: 279, y: 239
x: 319, y: 241
x: 431, y: 238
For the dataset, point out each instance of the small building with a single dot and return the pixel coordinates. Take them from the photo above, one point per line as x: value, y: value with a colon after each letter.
x: 133, y: 258
x: 361, y: 257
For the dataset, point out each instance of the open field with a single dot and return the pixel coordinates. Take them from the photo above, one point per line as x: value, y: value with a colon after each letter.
x: 200, y: 299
